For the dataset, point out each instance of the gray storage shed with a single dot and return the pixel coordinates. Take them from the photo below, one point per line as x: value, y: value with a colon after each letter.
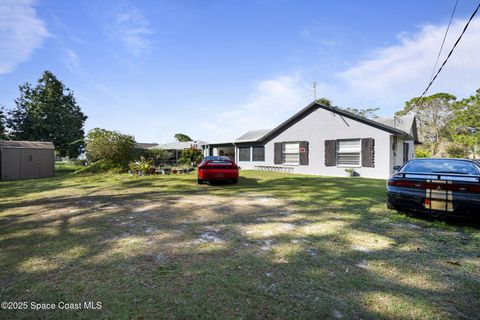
x: 26, y: 159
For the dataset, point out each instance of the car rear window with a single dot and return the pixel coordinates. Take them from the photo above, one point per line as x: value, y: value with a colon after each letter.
x: 441, y: 166
x: 218, y: 160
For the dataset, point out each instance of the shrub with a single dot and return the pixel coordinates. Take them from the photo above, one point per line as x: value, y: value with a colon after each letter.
x: 351, y: 172
x: 111, y: 146
x: 457, y: 151
x: 190, y: 156
x: 101, y: 166
x: 422, y: 153
x: 141, y: 167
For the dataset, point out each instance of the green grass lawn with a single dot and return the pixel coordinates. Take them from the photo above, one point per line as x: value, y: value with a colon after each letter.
x: 274, y: 246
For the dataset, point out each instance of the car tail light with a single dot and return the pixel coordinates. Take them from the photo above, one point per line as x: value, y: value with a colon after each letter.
x: 406, y: 184
x: 474, y: 189
x: 434, y: 185
x: 228, y: 166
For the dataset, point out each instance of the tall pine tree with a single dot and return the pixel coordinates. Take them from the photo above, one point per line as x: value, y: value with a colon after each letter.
x: 48, y: 112
x: 3, y: 133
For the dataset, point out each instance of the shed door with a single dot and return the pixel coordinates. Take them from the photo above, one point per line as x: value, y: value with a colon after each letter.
x: 47, y: 162
x: 10, y: 163
x: 30, y: 163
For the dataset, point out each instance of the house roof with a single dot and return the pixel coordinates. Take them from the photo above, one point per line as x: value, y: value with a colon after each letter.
x: 409, y: 133
x: 27, y: 144
x: 253, y: 135
x: 144, y: 145
x: 404, y: 123
x: 179, y: 145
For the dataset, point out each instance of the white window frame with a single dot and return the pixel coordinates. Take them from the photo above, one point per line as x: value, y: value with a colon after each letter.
x: 352, y: 150
x: 290, y: 152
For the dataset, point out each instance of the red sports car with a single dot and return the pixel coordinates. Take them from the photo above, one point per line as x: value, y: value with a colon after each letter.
x: 217, y: 169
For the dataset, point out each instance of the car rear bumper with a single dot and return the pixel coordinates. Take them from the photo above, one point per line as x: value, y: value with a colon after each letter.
x: 213, y: 174
x: 407, y: 199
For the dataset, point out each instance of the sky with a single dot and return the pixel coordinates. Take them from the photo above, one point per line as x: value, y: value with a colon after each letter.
x: 215, y: 69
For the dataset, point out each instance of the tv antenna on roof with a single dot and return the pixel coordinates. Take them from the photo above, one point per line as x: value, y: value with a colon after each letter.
x: 314, y: 88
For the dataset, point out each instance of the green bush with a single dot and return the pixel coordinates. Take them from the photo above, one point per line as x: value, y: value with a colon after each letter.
x: 190, y: 156
x: 141, y: 167
x: 101, y: 166
x: 422, y: 153
x: 457, y: 151
x: 111, y: 146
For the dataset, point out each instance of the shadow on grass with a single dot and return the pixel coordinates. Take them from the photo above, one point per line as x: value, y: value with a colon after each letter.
x: 289, y: 247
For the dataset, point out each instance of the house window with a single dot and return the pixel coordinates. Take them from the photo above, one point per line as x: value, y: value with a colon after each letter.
x: 291, y: 153
x: 406, y: 151
x: 348, y: 153
x: 258, y: 153
x: 30, y: 157
x: 244, y: 154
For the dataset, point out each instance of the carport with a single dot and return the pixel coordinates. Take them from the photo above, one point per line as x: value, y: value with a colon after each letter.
x: 220, y: 149
x: 26, y: 159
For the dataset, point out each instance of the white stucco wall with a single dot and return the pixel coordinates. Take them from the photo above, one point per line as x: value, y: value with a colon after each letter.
x: 323, y: 125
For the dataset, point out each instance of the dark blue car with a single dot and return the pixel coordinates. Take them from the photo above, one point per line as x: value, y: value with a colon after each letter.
x: 436, y: 186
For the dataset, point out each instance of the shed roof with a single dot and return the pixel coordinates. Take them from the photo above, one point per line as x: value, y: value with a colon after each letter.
x: 27, y: 144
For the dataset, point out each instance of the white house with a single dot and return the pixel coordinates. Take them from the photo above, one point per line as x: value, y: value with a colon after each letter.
x: 326, y: 141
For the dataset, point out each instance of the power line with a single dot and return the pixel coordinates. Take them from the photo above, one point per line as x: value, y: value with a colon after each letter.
x: 444, y: 38
x: 445, y: 61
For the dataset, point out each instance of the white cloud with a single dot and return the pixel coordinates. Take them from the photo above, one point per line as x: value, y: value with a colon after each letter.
x: 21, y: 32
x: 131, y: 27
x: 390, y: 76
x: 71, y: 60
x: 272, y: 102
x: 394, y: 74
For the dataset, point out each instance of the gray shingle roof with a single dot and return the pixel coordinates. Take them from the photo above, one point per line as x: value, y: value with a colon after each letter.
x: 179, y: 145
x: 315, y: 105
x: 145, y: 145
x: 404, y: 123
x: 404, y: 126
x: 253, y: 135
x: 27, y: 144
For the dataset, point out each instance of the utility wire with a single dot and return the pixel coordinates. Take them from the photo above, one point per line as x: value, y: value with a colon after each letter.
x: 444, y: 38
x: 445, y: 61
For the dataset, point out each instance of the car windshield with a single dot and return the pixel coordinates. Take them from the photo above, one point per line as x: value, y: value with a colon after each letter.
x: 441, y: 166
x: 217, y: 160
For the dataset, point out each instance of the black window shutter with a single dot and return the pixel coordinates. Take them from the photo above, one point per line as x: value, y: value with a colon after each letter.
x: 368, y: 152
x: 330, y: 153
x: 304, y: 154
x: 277, y: 157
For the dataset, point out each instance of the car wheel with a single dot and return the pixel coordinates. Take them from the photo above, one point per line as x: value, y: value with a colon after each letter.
x: 234, y: 180
x: 200, y: 181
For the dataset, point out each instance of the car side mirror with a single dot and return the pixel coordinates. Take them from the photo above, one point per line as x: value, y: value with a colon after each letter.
x: 396, y: 168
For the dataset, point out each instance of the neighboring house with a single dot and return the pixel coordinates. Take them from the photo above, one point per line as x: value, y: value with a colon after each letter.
x: 325, y: 141
x: 175, y: 148
x: 145, y: 145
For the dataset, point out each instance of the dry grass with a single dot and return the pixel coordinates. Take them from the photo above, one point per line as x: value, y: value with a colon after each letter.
x: 273, y: 246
